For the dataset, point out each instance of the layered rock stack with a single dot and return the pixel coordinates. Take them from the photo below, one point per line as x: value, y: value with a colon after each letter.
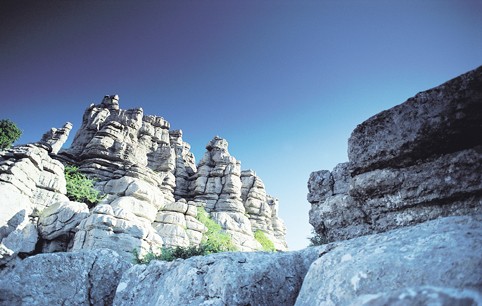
x: 30, y: 181
x: 151, y: 185
x: 222, y: 185
x: 417, y: 161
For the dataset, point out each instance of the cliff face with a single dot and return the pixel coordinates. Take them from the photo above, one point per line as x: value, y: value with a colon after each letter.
x: 417, y: 161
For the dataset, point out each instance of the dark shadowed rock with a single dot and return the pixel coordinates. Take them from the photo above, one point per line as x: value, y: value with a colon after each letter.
x: 442, y: 120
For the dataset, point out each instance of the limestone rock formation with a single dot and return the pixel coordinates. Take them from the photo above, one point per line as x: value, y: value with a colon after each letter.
x: 218, y: 279
x: 262, y: 209
x: 75, y: 278
x: 55, y: 138
x: 415, y: 162
x: 148, y: 172
x: 440, y: 253
x: 30, y: 181
x: 57, y: 225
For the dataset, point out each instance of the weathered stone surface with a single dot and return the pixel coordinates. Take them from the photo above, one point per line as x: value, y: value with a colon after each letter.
x: 415, y: 162
x: 218, y: 279
x: 424, y: 295
x: 177, y: 225
x: 218, y: 184
x: 185, y: 164
x: 30, y: 181
x: 148, y: 176
x: 441, y: 120
x: 441, y: 253
x: 78, y: 278
x: 55, y: 138
x: 61, y: 218
x: 34, y: 173
x: 262, y: 209
x: 116, y: 229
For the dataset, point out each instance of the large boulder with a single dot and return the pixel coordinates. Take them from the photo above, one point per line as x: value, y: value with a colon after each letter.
x: 439, y: 253
x: 218, y: 279
x: 78, y: 278
x: 415, y: 162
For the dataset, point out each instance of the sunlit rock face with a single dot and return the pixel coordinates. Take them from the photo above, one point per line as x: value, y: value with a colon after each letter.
x: 417, y: 161
x: 30, y: 181
x: 148, y: 172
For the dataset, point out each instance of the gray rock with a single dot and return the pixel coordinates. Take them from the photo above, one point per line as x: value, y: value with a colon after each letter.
x: 418, y: 161
x: 33, y: 173
x: 424, y: 295
x: 61, y: 218
x: 55, y: 138
x: 441, y: 253
x: 79, y: 278
x: 441, y: 120
x: 218, y: 279
x: 116, y: 229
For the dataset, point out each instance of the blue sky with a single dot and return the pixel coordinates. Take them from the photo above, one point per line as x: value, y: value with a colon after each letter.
x: 285, y: 82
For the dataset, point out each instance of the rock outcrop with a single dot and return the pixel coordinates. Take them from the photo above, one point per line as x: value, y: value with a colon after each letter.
x: 236, y: 199
x: 149, y: 176
x: 30, y: 181
x: 151, y: 185
x: 75, y: 278
x: 415, y: 162
x: 218, y: 279
x: 440, y: 253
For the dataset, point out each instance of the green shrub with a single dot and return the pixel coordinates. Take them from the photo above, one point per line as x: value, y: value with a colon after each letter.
x: 317, y: 239
x: 9, y: 133
x: 215, y: 240
x: 267, y: 244
x: 80, y: 188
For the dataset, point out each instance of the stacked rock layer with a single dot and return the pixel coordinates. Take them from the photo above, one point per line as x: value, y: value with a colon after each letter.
x: 151, y: 185
x: 417, y: 161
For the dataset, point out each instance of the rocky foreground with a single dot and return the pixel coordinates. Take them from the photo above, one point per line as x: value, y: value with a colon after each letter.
x: 402, y: 219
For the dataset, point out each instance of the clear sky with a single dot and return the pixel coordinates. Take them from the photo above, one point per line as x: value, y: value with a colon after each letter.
x: 285, y: 82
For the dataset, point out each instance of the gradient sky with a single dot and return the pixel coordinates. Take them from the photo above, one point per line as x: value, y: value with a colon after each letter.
x: 285, y: 82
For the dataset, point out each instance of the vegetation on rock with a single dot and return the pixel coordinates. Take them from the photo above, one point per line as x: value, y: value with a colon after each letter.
x: 9, y: 133
x: 265, y: 242
x: 80, y: 188
x: 215, y: 240
x: 317, y: 239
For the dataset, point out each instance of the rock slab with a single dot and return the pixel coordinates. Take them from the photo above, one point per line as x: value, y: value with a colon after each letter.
x: 440, y: 253
x: 77, y: 278
x: 218, y: 279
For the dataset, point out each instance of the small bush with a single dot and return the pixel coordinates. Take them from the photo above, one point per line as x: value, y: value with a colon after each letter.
x: 215, y: 240
x: 267, y: 244
x: 316, y: 239
x: 80, y: 188
x: 9, y: 133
